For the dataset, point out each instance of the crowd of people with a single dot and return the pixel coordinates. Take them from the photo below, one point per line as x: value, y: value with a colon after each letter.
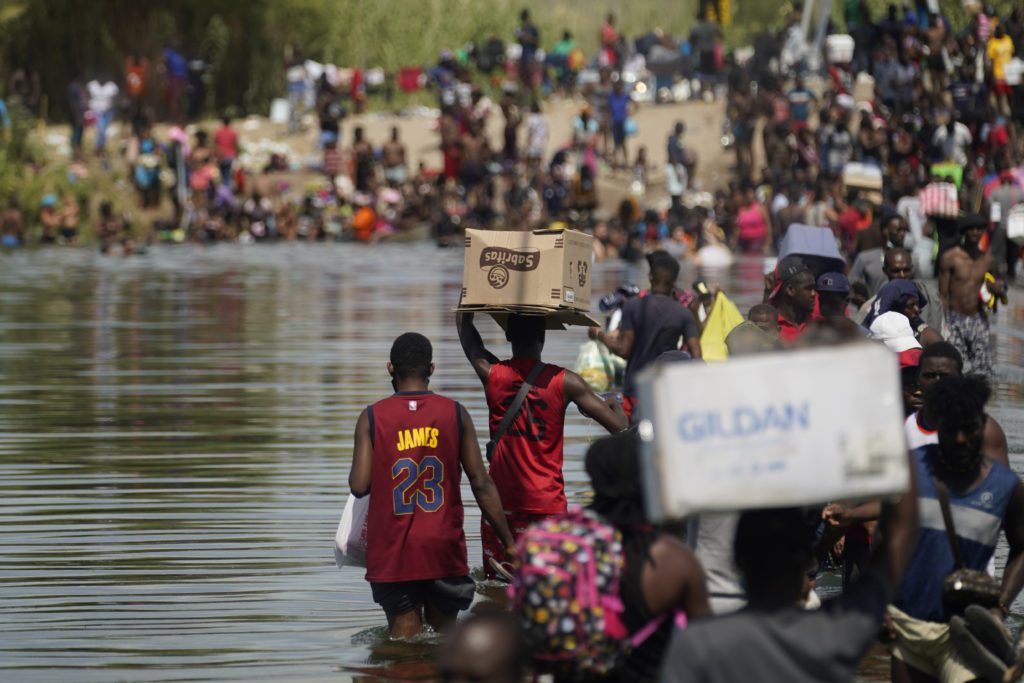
x: 903, y: 164
x: 196, y: 182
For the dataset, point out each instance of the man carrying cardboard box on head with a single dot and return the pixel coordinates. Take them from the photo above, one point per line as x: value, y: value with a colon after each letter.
x: 526, y: 447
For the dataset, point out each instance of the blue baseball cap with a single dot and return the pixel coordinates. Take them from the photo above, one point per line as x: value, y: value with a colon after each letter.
x: 833, y: 282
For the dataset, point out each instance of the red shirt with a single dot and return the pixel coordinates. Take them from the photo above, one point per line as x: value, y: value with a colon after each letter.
x: 789, y: 330
x: 225, y: 140
x: 527, y: 465
x: 414, y: 523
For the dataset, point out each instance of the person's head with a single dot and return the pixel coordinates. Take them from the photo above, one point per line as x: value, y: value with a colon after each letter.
x: 566, y: 36
x: 897, y: 264
x: 748, y: 337
x: 798, y: 289
x: 910, y: 383
x: 972, y: 227
x: 781, y: 534
x: 526, y: 334
x: 613, y: 466
x: 617, y: 87
x: 766, y: 317
x: 106, y: 210
x: 524, y: 16
x: 357, y: 133
x: 1000, y: 31
x: 859, y: 294
x: 394, y: 133
x: 610, y: 19
x: 664, y: 270
x: 487, y: 647
x: 833, y: 292
x: 412, y: 358
x: 679, y: 128
x: 939, y: 361
x: 955, y: 408
x: 895, y: 229
x: 226, y: 120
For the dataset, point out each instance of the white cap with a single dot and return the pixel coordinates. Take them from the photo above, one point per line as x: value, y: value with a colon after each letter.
x: 893, y: 329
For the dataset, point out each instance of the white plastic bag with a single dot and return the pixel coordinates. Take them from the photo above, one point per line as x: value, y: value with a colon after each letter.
x: 1015, y: 225
x: 350, y: 539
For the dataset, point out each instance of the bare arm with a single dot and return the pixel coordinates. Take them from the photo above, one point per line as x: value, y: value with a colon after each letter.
x: 621, y: 346
x: 1013, y: 575
x: 693, y: 343
x: 674, y: 580
x: 484, y: 490
x: 362, y: 458
x: 608, y: 414
x: 944, y: 277
x: 473, y: 346
x: 994, y: 444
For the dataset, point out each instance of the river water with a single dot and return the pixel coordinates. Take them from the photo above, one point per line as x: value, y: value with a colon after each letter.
x: 175, y: 433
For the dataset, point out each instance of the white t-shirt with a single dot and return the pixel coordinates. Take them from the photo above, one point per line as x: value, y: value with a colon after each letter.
x: 102, y: 96
x: 917, y: 436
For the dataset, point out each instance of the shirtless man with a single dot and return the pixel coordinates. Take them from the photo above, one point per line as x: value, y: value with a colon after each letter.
x: 935, y: 38
x: 962, y: 272
x: 393, y: 155
x: 362, y: 153
x: 476, y: 152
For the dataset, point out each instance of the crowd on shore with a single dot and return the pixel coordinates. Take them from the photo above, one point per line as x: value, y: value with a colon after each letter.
x: 901, y: 168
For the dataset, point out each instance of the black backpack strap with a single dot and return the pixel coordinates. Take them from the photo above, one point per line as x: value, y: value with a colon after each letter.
x: 513, y: 409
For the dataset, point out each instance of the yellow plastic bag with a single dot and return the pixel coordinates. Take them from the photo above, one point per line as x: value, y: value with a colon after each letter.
x: 597, y: 365
x: 724, y: 316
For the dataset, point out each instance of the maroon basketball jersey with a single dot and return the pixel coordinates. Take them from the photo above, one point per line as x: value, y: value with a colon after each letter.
x: 414, y: 524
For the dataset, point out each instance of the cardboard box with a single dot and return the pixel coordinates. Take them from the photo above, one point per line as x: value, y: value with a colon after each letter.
x: 541, y: 270
x: 772, y: 430
x: 866, y: 178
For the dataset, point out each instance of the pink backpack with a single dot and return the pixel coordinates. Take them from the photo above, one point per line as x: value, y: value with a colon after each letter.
x: 566, y: 594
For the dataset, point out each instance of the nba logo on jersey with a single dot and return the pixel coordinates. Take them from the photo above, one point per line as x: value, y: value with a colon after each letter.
x: 412, y: 406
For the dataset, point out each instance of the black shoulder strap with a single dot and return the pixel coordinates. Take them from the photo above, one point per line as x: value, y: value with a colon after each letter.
x: 514, y: 408
x: 947, y: 521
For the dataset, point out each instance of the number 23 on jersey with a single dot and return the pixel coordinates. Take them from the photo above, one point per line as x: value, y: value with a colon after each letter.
x: 418, y: 485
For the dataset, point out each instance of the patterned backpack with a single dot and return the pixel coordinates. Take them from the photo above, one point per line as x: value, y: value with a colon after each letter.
x: 566, y: 594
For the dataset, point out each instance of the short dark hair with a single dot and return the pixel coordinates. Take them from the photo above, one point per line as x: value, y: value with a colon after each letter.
x: 762, y: 309
x: 956, y: 401
x: 779, y: 533
x: 411, y: 356
x: 664, y: 267
x: 525, y: 329
x: 943, y: 349
x: 860, y: 289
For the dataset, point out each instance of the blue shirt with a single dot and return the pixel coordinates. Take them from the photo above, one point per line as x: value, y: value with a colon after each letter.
x: 618, y: 103
x: 978, y: 517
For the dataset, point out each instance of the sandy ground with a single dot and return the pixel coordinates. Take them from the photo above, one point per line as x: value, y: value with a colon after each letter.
x: 654, y: 122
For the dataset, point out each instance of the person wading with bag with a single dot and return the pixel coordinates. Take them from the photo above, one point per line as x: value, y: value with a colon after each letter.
x: 964, y: 499
x: 525, y: 451
x: 410, y: 451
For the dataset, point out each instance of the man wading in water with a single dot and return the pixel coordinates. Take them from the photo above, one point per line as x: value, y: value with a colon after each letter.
x: 962, y: 272
x: 527, y: 462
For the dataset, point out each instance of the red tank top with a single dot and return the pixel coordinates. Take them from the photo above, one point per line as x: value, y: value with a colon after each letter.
x: 527, y: 465
x: 414, y: 523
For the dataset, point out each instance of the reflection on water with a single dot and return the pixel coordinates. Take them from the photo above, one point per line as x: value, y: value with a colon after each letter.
x: 175, y: 432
